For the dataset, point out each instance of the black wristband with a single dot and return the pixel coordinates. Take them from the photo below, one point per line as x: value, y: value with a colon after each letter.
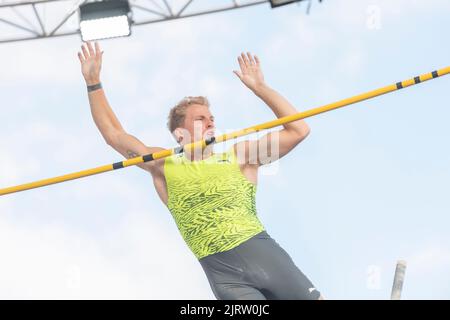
x: 94, y: 87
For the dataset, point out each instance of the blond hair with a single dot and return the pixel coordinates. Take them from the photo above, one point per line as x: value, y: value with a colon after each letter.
x: 177, y: 114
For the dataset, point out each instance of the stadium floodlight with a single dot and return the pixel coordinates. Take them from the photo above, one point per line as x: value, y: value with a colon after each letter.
x: 278, y: 3
x: 105, y: 19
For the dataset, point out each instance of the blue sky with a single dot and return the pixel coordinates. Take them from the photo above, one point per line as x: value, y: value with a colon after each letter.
x: 366, y: 188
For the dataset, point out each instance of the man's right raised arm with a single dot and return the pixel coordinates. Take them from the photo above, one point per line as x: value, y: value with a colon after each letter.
x: 104, y: 117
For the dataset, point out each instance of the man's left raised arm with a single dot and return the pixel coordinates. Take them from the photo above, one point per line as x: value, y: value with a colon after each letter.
x: 282, y: 108
x: 259, y: 151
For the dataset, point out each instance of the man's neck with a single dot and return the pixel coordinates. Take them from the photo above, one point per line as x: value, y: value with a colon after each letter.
x: 198, y: 154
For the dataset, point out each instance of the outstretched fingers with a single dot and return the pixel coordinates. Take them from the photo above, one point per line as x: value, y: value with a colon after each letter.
x: 91, y: 49
x: 247, y: 63
x: 98, y: 51
x: 258, y: 62
x: 85, y: 52
x: 245, y: 60
x: 242, y: 64
x: 248, y: 60
x: 80, y: 56
x: 251, y: 61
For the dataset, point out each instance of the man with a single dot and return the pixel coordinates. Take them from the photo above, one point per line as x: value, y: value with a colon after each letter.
x: 211, y: 196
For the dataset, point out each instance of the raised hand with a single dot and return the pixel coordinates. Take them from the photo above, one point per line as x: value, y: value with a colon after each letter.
x: 91, y: 62
x: 251, y: 74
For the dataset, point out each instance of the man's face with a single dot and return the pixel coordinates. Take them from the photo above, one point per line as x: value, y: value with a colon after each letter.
x: 198, y: 124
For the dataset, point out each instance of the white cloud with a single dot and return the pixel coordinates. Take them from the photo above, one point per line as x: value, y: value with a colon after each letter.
x: 429, y: 260
x: 39, y: 62
x: 407, y: 7
x: 139, y: 262
x: 14, y: 168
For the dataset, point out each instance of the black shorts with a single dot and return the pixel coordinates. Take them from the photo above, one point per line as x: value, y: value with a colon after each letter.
x: 258, y: 269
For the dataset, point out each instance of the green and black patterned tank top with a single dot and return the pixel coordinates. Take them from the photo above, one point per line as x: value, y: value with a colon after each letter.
x: 212, y: 202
